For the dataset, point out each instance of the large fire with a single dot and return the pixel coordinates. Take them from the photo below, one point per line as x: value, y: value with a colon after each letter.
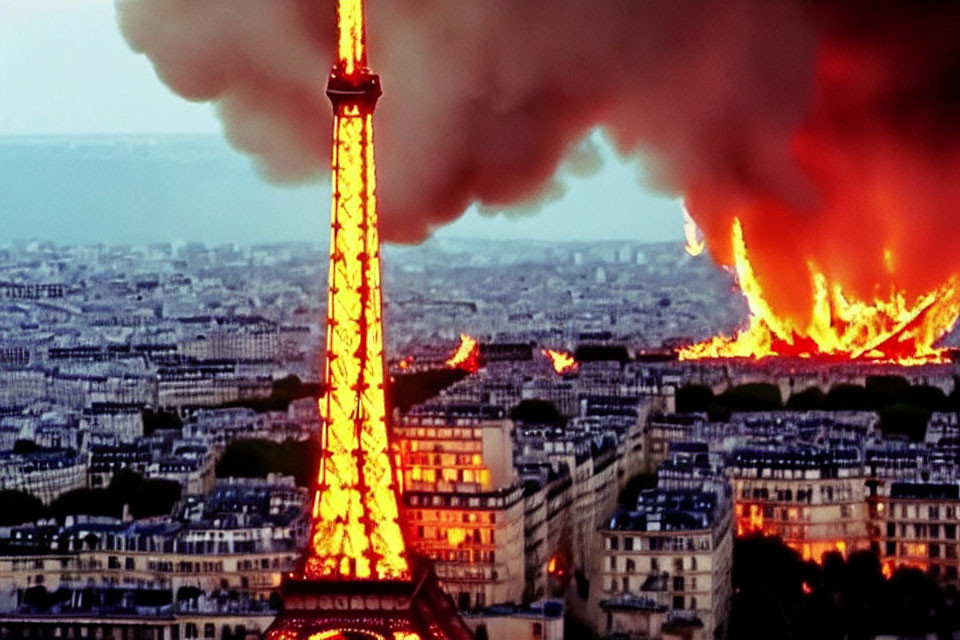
x: 467, y: 355
x: 562, y: 361
x: 886, y: 329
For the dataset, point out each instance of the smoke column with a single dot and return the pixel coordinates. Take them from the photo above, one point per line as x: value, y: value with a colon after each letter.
x: 828, y: 127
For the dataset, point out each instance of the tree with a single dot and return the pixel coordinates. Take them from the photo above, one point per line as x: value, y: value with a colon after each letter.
x: 124, y: 485
x: 275, y: 602
x: 631, y: 490
x: 251, y: 458
x: 155, y: 498
x: 693, y: 398
x: 17, y: 507
x: 536, y: 411
x: 22, y: 446
x: 156, y: 420
x: 91, y: 502
x: 904, y: 419
x: 847, y: 397
x: 37, y: 597
x: 811, y: 399
x: 755, y: 396
x: 409, y: 389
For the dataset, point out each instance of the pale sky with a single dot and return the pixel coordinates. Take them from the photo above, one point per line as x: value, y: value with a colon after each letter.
x: 65, y: 69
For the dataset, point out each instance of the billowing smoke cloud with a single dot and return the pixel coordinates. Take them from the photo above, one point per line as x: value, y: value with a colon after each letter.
x: 828, y: 126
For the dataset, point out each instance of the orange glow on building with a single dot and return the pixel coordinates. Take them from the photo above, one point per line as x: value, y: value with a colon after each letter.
x: 562, y: 361
x: 356, y: 533
x: 467, y: 355
x: 749, y: 520
x: 889, y: 328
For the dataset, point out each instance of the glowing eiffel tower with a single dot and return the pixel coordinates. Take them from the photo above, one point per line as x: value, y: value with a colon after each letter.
x: 357, y: 579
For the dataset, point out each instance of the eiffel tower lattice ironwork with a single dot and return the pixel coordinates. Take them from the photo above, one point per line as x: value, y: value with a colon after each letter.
x: 357, y: 579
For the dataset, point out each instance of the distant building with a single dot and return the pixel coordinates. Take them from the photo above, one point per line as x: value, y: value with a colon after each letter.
x: 918, y: 528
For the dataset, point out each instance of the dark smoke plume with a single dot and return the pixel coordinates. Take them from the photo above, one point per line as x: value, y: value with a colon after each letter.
x: 828, y: 126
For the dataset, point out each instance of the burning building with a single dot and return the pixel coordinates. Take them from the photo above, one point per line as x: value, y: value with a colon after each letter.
x: 891, y: 328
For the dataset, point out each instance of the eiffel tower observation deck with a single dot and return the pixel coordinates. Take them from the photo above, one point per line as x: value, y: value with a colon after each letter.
x: 357, y: 579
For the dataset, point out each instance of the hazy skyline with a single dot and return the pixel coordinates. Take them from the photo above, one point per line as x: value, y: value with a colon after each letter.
x: 65, y: 70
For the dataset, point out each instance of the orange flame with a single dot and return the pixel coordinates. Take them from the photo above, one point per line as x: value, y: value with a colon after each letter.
x: 749, y: 520
x: 884, y: 330
x: 467, y: 355
x: 695, y: 243
x: 562, y: 361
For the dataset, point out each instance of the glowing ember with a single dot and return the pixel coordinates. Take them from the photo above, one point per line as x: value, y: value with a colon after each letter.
x: 890, y: 329
x: 695, y: 243
x: 467, y: 355
x: 562, y: 361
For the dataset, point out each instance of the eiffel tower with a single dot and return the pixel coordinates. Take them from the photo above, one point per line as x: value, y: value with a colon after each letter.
x: 356, y: 579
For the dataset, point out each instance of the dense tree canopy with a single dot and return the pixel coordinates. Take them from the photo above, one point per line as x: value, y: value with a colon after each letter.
x: 903, y: 408
x: 536, y: 411
x: 250, y: 458
x: 778, y: 595
x: 17, y: 507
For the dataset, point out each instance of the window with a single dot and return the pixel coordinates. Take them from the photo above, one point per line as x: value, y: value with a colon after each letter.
x: 190, y: 631
x: 891, y: 530
x: 654, y: 565
x: 891, y: 548
x: 631, y: 567
x: 678, y: 564
x: 628, y: 544
x: 537, y: 630
x: 678, y: 584
x: 614, y: 542
x: 693, y: 563
x: 613, y: 563
x: 678, y: 602
x: 626, y: 583
x: 693, y: 603
x: 209, y: 631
